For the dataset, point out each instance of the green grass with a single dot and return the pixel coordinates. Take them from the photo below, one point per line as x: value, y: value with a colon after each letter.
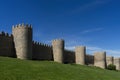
x: 15, y: 69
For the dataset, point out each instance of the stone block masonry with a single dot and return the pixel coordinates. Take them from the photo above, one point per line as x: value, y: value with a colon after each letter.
x: 100, y: 59
x: 22, y: 35
x: 21, y: 45
x: 117, y: 63
x: 109, y: 60
x: 58, y: 50
x: 69, y: 56
x: 42, y: 51
x: 89, y: 59
x: 7, y: 47
x: 80, y: 52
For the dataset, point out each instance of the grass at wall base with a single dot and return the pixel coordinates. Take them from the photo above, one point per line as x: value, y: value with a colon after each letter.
x: 15, y: 69
x: 111, y: 67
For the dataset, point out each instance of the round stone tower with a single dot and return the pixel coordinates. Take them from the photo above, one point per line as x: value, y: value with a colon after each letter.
x: 58, y: 50
x: 22, y: 35
x: 100, y: 59
x: 80, y: 52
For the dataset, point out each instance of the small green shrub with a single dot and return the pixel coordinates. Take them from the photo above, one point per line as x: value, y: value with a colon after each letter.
x: 111, y: 67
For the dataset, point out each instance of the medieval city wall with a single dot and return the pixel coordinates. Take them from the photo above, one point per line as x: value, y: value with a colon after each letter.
x: 80, y: 53
x: 21, y: 45
x: 117, y: 63
x: 6, y: 45
x: 22, y: 37
x: 69, y: 56
x: 109, y: 60
x: 100, y: 59
x: 89, y: 59
x: 42, y: 51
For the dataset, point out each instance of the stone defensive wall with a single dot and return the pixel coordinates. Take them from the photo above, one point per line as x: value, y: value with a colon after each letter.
x: 22, y: 37
x: 7, y: 45
x: 117, y: 63
x: 42, y: 51
x: 100, y: 59
x: 20, y: 44
x: 89, y: 59
x: 109, y: 60
x: 69, y: 56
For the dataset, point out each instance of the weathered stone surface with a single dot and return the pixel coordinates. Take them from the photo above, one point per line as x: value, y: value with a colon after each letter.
x: 109, y: 60
x: 69, y: 56
x: 42, y: 51
x: 80, y: 52
x: 58, y: 50
x: 22, y: 35
x: 89, y: 59
x: 117, y: 63
x: 7, y: 48
x: 100, y: 59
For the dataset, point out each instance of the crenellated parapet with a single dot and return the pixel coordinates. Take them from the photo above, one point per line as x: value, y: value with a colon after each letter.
x: 19, y: 26
x: 58, y: 40
x: 69, y: 51
x: 42, y: 51
x: 6, y: 45
x: 69, y: 56
x: 5, y: 34
x: 89, y: 59
x: 35, y: 43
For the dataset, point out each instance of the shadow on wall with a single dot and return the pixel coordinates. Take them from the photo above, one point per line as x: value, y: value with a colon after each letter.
x: 7, y: 47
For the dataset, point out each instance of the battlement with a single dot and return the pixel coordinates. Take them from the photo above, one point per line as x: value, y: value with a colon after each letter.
x: 41, y: 44
x: 20, y: 26
x: 23, y: 37
x: 5, y: 34
x: 58, y: 40
x: 69, y: 51
x: 20, y: 44
x: 41, y: 51
x: 90, y: 55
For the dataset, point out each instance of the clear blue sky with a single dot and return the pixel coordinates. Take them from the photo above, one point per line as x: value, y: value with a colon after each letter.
x: 93, y: 23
